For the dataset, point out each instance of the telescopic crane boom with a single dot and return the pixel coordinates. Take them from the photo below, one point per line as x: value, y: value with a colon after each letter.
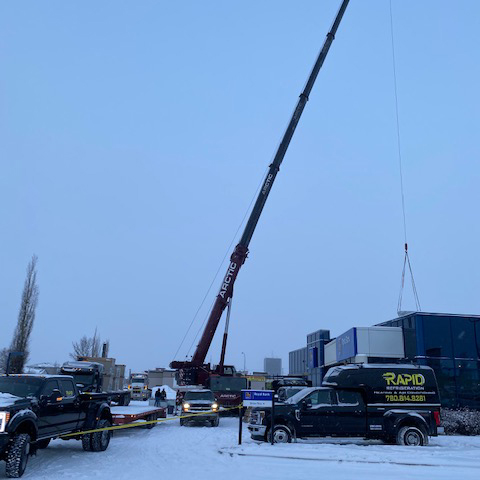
x: 240, y: 253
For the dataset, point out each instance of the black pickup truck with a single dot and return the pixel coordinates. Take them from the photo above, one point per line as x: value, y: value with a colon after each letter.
x: 394, y: 403
x: 36, y: 408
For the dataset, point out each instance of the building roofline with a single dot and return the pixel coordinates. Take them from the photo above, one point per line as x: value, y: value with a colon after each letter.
x: 432, y: 314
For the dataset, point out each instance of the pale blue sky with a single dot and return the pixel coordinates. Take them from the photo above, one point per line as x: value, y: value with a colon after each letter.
x: 133, y: 136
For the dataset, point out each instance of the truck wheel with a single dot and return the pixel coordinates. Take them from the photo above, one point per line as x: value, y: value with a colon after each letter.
x: 100, y: 440
x: 281, y: 434
x: 182, y: 422
x: 17, y: 456
x: 41, y: 444
x: 87, y: 442
x: 150, y: 425
x: 215, y: 422
x: 412, y: 436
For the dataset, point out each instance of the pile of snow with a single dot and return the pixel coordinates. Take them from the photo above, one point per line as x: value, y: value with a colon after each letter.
x: 171, y: 393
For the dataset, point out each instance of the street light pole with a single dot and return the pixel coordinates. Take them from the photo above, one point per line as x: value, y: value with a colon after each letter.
x: 244, y: 362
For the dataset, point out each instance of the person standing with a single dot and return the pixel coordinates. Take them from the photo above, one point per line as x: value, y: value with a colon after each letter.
x: 158, y: 397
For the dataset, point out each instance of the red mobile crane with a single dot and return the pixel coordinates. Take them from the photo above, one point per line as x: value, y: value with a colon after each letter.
x: 196, y: 371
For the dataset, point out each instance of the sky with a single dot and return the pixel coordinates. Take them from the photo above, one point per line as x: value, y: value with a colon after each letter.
x: 134, y: 135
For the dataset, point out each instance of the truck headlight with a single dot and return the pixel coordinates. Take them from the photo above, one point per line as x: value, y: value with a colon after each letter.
x: 4, y: 418
x: 186, y: 406
x: 214, y: 406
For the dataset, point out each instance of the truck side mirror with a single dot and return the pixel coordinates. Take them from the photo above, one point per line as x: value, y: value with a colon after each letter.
x: 306, y: 404
x: 55, y: 396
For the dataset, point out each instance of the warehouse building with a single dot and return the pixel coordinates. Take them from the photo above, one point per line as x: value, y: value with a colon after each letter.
x: 448, y: 343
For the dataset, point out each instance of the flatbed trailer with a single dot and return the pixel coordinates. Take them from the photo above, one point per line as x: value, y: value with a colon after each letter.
x: 133, y: 413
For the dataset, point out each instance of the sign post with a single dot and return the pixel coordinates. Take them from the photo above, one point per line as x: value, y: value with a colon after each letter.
x: 272, y: 427
x: 256, y: 398
x: 240, y: 424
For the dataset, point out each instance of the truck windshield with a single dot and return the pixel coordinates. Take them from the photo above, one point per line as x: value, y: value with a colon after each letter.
x: 234, y: 384
x: 85, y: 379
x: 299, y: 395
x: 199, y: 396
x: 138, y: 380
x: 21, y: 386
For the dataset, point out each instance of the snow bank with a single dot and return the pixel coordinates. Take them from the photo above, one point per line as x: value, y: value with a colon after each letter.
x: 171, y: 394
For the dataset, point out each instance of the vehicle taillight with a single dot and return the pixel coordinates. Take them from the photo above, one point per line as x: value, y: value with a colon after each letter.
x: 436, y: 415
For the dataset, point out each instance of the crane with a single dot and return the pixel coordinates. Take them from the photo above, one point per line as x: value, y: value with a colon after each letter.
x: 195, y: 370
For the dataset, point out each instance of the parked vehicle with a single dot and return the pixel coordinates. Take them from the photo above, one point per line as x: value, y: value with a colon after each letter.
x: 284, y: 393
x: 227, y: 391
x: 290, y: 382
x: 395, y: 403
x: 36, y: 408
x: 202, y: 404
x: 90, y: 377
x: 138, y: 386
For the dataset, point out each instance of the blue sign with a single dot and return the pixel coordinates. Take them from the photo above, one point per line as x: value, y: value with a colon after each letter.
x: 347, y: 344
x: 313, y: 357
x: 257, y: 398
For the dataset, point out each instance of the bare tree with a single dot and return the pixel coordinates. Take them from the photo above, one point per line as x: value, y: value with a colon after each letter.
x: 87, y: 347
x: 82, y: 348
x: 3, y: 359
x: 26, y: 317
x: 95, y: 345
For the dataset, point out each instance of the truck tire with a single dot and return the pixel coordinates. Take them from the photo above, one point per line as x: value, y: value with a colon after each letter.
x: 182, y: 422
x: 87, y: 442
x: 281, y: 434
x: 412, y: 436
x: 41, y: 444
x: 150, y: 418
x: 100, y: 440
x: 17, y: 456
x: 216, y: 422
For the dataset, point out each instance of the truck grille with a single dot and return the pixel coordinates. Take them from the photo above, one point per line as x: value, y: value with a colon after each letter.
x: 255, y: 418
x: 200, y: 408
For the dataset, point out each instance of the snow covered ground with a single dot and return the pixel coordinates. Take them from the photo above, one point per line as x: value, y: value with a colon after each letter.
x: 193, y: 452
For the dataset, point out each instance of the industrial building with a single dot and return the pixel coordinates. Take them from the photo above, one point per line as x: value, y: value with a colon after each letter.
x: 448, y: 343
x: 273, y: 366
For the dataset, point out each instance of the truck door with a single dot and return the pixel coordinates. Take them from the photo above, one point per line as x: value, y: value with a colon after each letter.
x: 71, y: 406
x: 50, y: 410
x: 350, y: 414
x: 316, y: 414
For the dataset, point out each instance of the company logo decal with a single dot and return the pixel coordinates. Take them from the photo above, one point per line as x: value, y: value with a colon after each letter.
x: 414, y: 379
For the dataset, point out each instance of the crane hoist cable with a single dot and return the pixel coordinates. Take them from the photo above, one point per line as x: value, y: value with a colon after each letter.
x: 406, y: 258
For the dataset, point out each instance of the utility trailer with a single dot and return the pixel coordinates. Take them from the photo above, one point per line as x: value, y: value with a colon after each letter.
x: 129, y: 414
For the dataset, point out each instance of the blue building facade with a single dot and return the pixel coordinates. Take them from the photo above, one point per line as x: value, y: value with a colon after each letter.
x: 450, y: 344
x: 308, y: 361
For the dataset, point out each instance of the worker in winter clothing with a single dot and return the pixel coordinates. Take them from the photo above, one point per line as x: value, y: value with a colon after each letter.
x: 158, y: 397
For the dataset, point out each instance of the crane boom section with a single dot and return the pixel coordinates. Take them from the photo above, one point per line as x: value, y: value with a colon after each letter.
x: 240, y: 253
